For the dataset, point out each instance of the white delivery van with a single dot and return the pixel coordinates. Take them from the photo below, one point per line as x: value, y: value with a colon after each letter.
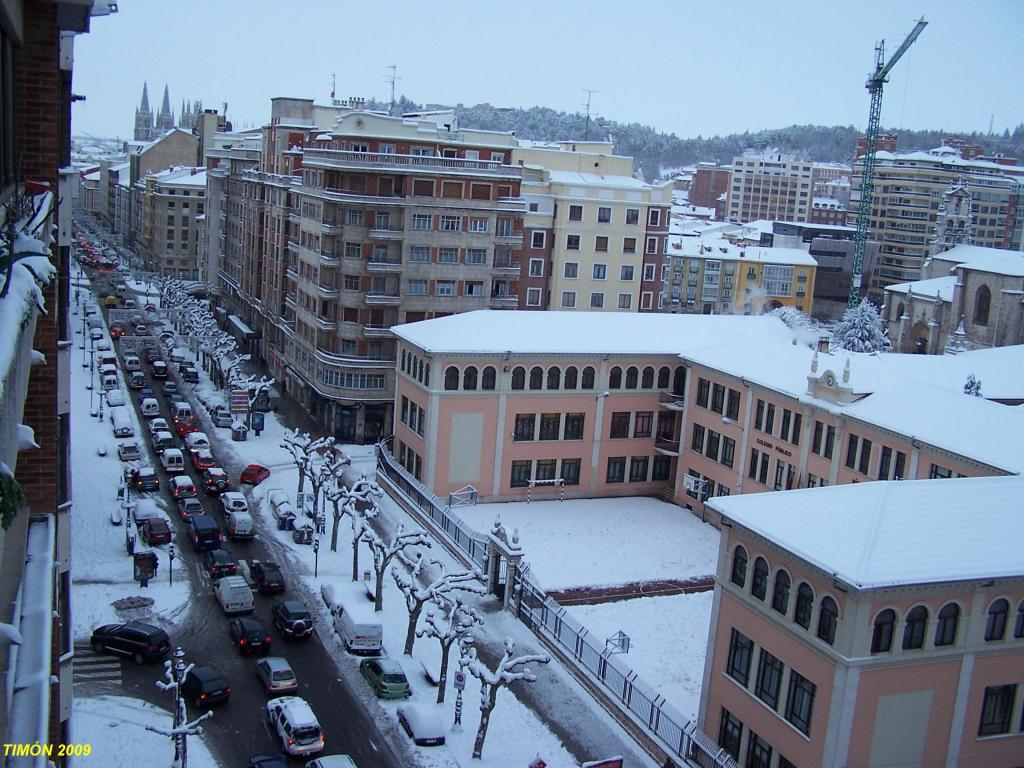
x: 181, y: 412
x: 132, y: 363
x: 234, y: 595
x: 172, y: 460
x: 122, y: 422
x: 150, y: 407
x: 358, y: 628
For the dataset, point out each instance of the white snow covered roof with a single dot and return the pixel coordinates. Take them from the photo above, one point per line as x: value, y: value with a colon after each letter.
x: 936, y: 286
x: 724, y: 250
x: 995, y: 260
x: 593, y: 180
x: 893, y: 533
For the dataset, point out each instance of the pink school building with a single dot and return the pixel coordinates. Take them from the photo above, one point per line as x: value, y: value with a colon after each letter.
x: 688, y: 407
x: 874, y: 624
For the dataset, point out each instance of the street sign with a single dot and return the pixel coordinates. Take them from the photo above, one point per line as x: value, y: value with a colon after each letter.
x: 239, y: 401
x: 460, y: 680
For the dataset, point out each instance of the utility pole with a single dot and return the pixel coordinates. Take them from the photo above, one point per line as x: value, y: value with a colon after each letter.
x: 393, y: 79
x: 586, y: 131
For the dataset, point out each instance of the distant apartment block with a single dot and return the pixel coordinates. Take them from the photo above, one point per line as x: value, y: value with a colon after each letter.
x: 710, y: 187
x: 769, y: 186
x: 827, y: 210
x: 167, y: 206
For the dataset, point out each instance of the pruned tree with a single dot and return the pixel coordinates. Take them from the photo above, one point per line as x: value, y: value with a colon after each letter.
x: 385, y: 552
x: 439, y: 590
x: 972, y: 386
x: 309, y: 456
x: 449, y: 622
x: 361, y: 508
x: 860, y: 330
x: 510, y: 669
x: 336, y: 492
x: 297, y: 444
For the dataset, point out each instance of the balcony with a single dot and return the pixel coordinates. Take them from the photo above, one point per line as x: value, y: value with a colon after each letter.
x: 670, y: 401
x: 384, y: 298
x: 327, y: 291
x: 508, y: 238
x: 387, y: 234
x: 667, y: 445
x: 329, y: 258
x: 325, y: 323
x: 332, y: 226
x: 292, y: 272
x: 507, y: 268
x: 383, y: 161
x: 349, y: 361
x: 376, y: 332
x: 290, y: 300
x: 293, y: 244
x: 505, y: 301
x: 383, y: 265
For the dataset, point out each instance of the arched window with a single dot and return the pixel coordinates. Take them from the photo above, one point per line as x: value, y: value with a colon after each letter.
x: 587, y: 382
x: 519, y: 378
x: 647, y: 379
x: 1018, y: 626
x: 995, y: 626
x: 739, y: 566
x: 536, y: 377
x: 488, y: 378
x: 664, y: 375
x: 419, y: 369
x: 899, y: 310
x: 780, y: 592
x: 804, y: 603
x: 679, y: 381
x: 828, y: 619
x: 615, y: 378
x: 982, y: 302
x: 631, y: 376
x: 554, y: 377
x: 426, y: 375
x: 913, y: 632
x: 469, y: 378
x: 881, y: 637
x: 945, y: 629
x: 403, y: 362
x: 451, y: 377
x: 571, y: 375
x: 759, y: 584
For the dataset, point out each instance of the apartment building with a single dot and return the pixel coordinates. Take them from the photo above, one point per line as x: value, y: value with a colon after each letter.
x: 166, y: 207
x: 689, y: 407
x: 716, y: 276
x: 903, y: 646
x: 710, y: 187
x: 915, y: 199
x: 769, y: 186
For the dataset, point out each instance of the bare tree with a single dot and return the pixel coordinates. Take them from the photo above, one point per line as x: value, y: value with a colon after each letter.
x: 509, y: 670
x: 309, y: 456
x: 439, y: 590
x: 449, y: 622
x: 385, y: 552
x: 336, y: 492
x: 297, y: 444
x: 361, y: 508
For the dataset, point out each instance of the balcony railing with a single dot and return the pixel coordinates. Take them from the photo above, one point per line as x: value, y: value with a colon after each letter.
x: 340, y: 158
x: 290, y: 300
x: 327, y: 291
x: 386, y: 298
x: 505, y: 300
x: 384, y: 265
x: 377, y: 331
x: 507, y: 268
x: 292, y: 273
x: 387, y: 234
x: 349, y: 361
x: 325, y: 323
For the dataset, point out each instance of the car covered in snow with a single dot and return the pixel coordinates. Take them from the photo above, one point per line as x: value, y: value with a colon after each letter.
x: 254, y: 474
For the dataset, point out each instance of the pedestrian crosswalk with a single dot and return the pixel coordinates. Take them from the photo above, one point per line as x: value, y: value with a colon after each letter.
x: 93, y: 668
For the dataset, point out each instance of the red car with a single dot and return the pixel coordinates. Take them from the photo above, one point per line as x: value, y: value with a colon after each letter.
x: 203, y: 459
x: 156, y: 531
x: 116, y: 331
x: 184, y: 427
x: 254, y: 474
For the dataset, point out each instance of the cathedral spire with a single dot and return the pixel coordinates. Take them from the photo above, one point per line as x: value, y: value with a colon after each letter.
x: 165, y: 108
x: 145, y: 99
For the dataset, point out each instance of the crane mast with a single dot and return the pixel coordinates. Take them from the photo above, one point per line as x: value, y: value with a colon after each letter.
x: 874, y: 85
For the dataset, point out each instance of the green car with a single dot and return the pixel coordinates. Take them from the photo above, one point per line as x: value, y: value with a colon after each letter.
x: 386, y: 677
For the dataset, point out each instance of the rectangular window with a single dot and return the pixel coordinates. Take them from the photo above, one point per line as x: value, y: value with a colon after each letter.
x: 699, y: 435
x: 477, y: 225
x: 626, y: 272
x: 572, y: 242
x: 533, y: 297
x: 600, y: 271
x: 354, y: 218
x: 713, y: 445
x: 538, y: 239
x: 619, y: 424
x: 575, y: 213
x: 419, y: 253
x: 765, y: 417
x: 730, y: 733
x: 758, y: 469
x: 415, y: 287
x: 703, y: 392
x: 616, y: 472
x: 629, y: 246
x: 451, y: 189
x: 601, y: 243
x: 654, y: 217
x: 568, y: 299
x: 472, y: 288
x: 353, y: 251
x: 759, y: 752
x: 997, y: 709
x: 447, y: 255
x: 638, y: 469
x: 521, y: 474
x: 574, y: 426
x: 382, y: 221
x: 550, y: 426
x: 718, y: 398
x: 643, y: 423
x: 728, y: 451
x: 632, y: 215
x: 741, y: 649
x: 596, y: 300
x: 660, y: 468
x: 769, y: 679
x: 571, y: 270
x: 480, y: 191
x: 791, y: 423
x: 938, y: 472
x: 888, y: 469
x: 732, y: 405
x: 504, y: 227
x: 422, y: 221
x: 652, y: 245
x: 536, y: 267
x: 625, y: 300
x: 445, y: 288
x: 524, y: 426
x: 451, y: 223
x: 546, y: 469
x: 571, y: 471
x: 800, y: 702
x: 405, y: 409
x: 604, y: 215
x: 476, y: 256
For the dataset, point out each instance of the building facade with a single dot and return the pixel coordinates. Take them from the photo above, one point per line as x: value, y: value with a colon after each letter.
x: 893, y: 649
x: 769, y: 186
x: 710, y: 187
x: 168, y: 204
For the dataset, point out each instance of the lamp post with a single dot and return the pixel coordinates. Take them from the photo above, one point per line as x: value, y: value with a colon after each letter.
x: 170, y: 567
x: 316, y: 557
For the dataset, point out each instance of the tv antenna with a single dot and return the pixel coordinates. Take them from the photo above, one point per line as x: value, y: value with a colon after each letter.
x: 393, y: 79
x: 586, y: 131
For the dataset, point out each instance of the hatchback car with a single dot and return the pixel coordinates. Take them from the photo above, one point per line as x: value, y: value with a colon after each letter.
x: 182, y: 487
x: 215, y: 480
x: 190, y: 374
x: 139, y: 641
x: 145, y: 479
x: 254, y: 474
x: 205, y: 686
x: 189, y: 506
x: 158, y: 425
x: 185, y: 427
x: 422, y: 725
x: 128, y: 451
x: 116, y: 331
x: 219, y: 563
x: 169, y: 387
x: 267, y: 577
x: 292, y: 619
x: 233, y: 501
x: 386, y: 677
x: 276, y: 675
x: 155, y: 530
x: 158, y: 368
x: 202, y: 459
x: 248, y: 635
x: 162, y: 441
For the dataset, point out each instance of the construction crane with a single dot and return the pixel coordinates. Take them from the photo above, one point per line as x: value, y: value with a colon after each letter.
x: 874, y: 85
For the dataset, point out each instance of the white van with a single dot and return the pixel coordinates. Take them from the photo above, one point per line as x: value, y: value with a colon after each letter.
x: 172, y: 460
x: 234, y: 595
x: 356, y: 625
x: 108, y: 381
x: 122, y: 422
x: 132, y: 363
x: 239, y: 525
x: 150, y: 407
x: 181, y: 412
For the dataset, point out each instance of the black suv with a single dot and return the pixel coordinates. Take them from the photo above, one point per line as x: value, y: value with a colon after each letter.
x: 205, y: 686
x: 146, y: 479
x: 292, y: 619
x: 219, y: 563
x: 142, y: 642
x: 249, y: 635
x: 267, y: 577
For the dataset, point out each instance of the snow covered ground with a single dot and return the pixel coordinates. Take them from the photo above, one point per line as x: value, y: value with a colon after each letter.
x: 604, y: 542
x: 115, y: 729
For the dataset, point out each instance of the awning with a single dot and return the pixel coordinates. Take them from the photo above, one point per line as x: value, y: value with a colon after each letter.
x: 240, y: 325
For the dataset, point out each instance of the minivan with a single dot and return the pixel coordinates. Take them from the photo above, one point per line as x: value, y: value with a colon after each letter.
x: 239, y: 525
x: 234, y: 595
x: 150, y: 407
x: 172, y: 460
x: 163, y: 441
x: 356, y: 625
x: 181, y: 412
x: 108, y: 381
x: 159, y: 369
x: 295, y: 726
x: 204, y: 533
x: 132, y: 363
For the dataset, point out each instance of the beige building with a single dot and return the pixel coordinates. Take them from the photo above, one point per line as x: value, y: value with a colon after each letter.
x: 769, y: 186
x: 167, y: 204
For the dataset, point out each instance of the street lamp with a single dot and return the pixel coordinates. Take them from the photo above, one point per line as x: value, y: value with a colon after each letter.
x: 316, y: 557
x: 170, y: 567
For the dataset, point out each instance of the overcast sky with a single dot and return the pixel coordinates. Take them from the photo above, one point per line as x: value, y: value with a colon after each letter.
x: 692, y: 67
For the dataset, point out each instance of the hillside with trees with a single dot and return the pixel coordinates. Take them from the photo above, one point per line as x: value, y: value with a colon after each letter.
x: 656, y: 150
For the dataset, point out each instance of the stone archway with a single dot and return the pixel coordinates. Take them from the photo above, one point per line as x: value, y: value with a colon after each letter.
x: 919, y: 338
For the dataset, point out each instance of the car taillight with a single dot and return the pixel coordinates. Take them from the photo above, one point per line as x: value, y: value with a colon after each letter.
x: 152, y: 649
x: 290, y: 742
x: 228, y: 691
x: 202, y: 697
x: 266, y: 639
x: 243, y: 641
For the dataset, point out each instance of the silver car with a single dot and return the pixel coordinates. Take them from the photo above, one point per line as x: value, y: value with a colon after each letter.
x: 276, y: 675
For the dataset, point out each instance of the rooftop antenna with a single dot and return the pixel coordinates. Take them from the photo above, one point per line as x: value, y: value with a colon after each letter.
x: 586, y: 131
x: 393, y: 79
x: 333, y: 89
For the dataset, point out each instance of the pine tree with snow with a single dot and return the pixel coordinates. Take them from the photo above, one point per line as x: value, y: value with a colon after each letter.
x: 860, y: 330
x: 972, y: 386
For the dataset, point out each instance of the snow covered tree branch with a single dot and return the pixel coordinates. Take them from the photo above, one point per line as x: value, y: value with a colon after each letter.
x: 385, y: 552
x: 439, y: 590
x: 860, y: 330
x: 449, y: 622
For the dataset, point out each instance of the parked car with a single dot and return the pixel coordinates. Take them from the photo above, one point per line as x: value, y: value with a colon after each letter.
x: 145, y: 479
x: 296, y: 728
x: 128, y: 451
x: 116, y: 331
x: 221, y: 416
x: 158, y: 425
x: 421, y: 724
x: 95, y: 334
x: 155, y: 530
x: 189, y: 506
x: 205, y: 686
x: 268, y: 760
x: 139, y: 641
x: 276, y: 675
x: 254, y: 474
x: 386, y: 677
x: 215, y: 480
x: 189, y: 374
x: 233, y: 501
x: 115, y: 398
x: 248, y: 635
x: 292, y: 619
x: 267, y: 577
x: 162, y: 441
x: 219, y: 563
x: 182, y: 487
x: 202, y: 459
